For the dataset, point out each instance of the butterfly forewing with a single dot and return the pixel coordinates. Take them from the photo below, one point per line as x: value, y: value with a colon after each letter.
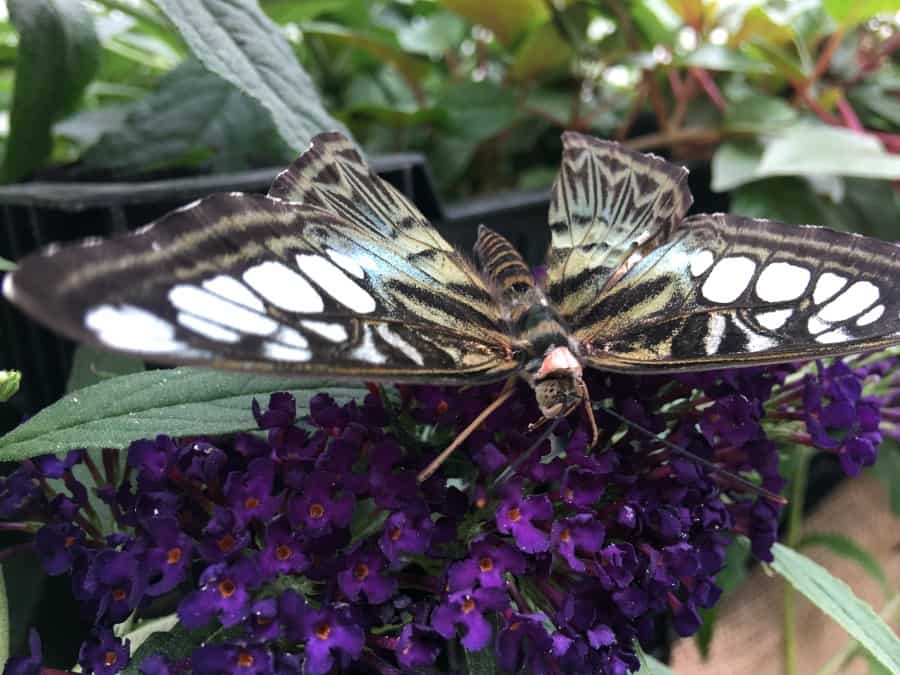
x: 258, y: 283
x: 606, y: 202
x: 730, y: 291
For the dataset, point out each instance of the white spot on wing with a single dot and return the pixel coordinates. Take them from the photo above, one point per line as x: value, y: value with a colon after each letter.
x: 283, y: 287
x: 346, y: 263
x: 133, y: 329
x: 195, y: 300
x: 290, y: 337
x: 232, y: 289
x: 852, y: 301
x: 279, y: 352
x: 728, y: 279
x: 701, y: 261
x: 775, y: 319
x: 755, y: 341
x: 207, y: 329
x: 367, y: 351
x: 9, y: 289
x: 333, y: 281
x: 781, y: 281
x: 833, y: 336
x: 330, y: 331
x: 715, y: 331
x: 398, y: 342
x: 827, y: 285
x: 815, y: 325
x: 871, y: 316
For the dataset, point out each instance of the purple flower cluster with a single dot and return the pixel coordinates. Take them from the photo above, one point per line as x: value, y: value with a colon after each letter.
x: 312, y: 546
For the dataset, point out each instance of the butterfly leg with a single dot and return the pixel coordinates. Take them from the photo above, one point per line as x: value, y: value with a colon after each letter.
x: 505, y: 394
x: 589, y: 411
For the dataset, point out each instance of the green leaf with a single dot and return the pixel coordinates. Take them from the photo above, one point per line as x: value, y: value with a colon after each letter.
x: 145, y: 629
x: 411, y: 67
x: 4, y: 620
x: 235, y: 40
x: 506, y: 19
x: 887, y: 468
x: 733, y: 164
x: 177, y: 402
x: 482, y: 662
x: 542, y: 51
x: 875, y: 668
x: 847, y: 548
x: 174, y: 642
x: 787, y: 199
x: 7, y: 265
x: 367, y: 519
x: 838, y: 601
x: 820, y: 149
x: 91, y: 365
x: 848, y: 13
x: 651, y: 665
x: 720, y: 57
x: 432, y: 35
x: 58, y: 55
x: 758, y: 114
x: 9, y: 384
x: 193, y: 116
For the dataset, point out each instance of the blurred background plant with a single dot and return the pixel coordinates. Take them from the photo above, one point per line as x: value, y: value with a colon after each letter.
x: 788, y: 110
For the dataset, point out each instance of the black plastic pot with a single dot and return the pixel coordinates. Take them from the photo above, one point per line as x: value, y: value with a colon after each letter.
x: 35, y: 214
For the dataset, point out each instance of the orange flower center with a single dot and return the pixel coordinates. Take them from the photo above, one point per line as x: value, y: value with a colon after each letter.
x: 251, y: 503
x: 119, y: 594
x: 227, y: 588
x: 173, y: 555
x: 468, y: 605
x: 395, y: 533
x: 569, y: 494
x: 323, y: 630
x: 316, y: 511
x: 442, y: 407
x: 361, y: 571
x: 283, y: 552
x: 565, y: 536
x: 245, y: 660
x: 110, y: 658
x: 226, y: 543
x: 480, y: 502
x: 515, y: 514
x: 486, y: 564
x: 515, y: 625
x: 69, y: 541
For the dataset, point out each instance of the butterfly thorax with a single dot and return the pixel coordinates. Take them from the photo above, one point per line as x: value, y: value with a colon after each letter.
x: 551, y: 356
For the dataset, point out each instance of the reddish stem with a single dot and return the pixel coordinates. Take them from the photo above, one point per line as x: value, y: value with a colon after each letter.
x: 848, y: 114
x: 709, y: 86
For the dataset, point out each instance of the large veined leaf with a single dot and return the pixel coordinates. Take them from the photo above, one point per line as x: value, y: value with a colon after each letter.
x: 838, y: 601
x: 238, y: 42
x: 177, y: 402
x: 193, y: 116
x: 57, y: 57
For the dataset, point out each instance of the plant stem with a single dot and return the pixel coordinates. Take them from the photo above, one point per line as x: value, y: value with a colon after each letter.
x: 795, y: 522
x: 662, y: 138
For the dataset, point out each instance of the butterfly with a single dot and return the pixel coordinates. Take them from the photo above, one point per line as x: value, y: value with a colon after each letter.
x: 335, y: 274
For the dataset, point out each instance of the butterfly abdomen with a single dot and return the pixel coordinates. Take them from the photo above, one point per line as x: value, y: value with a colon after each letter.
x: 503, y: 265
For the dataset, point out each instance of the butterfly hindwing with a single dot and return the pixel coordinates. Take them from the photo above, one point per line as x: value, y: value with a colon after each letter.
x: 606, y: 202
x: 258, y: 283
x: 725, y: 290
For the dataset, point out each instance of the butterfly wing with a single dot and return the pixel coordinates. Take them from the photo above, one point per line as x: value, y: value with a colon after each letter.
x: 727, y: 291
x: 607, y: 202
x: 260, y: 283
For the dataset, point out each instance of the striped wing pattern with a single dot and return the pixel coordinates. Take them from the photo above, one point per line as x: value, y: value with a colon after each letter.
x: 265, y: 283
x: 606, y: 203
x: 731, y: 291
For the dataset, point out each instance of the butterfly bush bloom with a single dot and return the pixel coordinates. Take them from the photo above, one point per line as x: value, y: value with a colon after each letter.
x: 312, y: 548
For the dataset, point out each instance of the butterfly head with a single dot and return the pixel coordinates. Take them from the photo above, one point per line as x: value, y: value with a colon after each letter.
x: 557, y: 383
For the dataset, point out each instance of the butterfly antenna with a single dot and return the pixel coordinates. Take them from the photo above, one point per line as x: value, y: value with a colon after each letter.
x: 508, y: 391
x: 768, y: 494
x: 521, y: 459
